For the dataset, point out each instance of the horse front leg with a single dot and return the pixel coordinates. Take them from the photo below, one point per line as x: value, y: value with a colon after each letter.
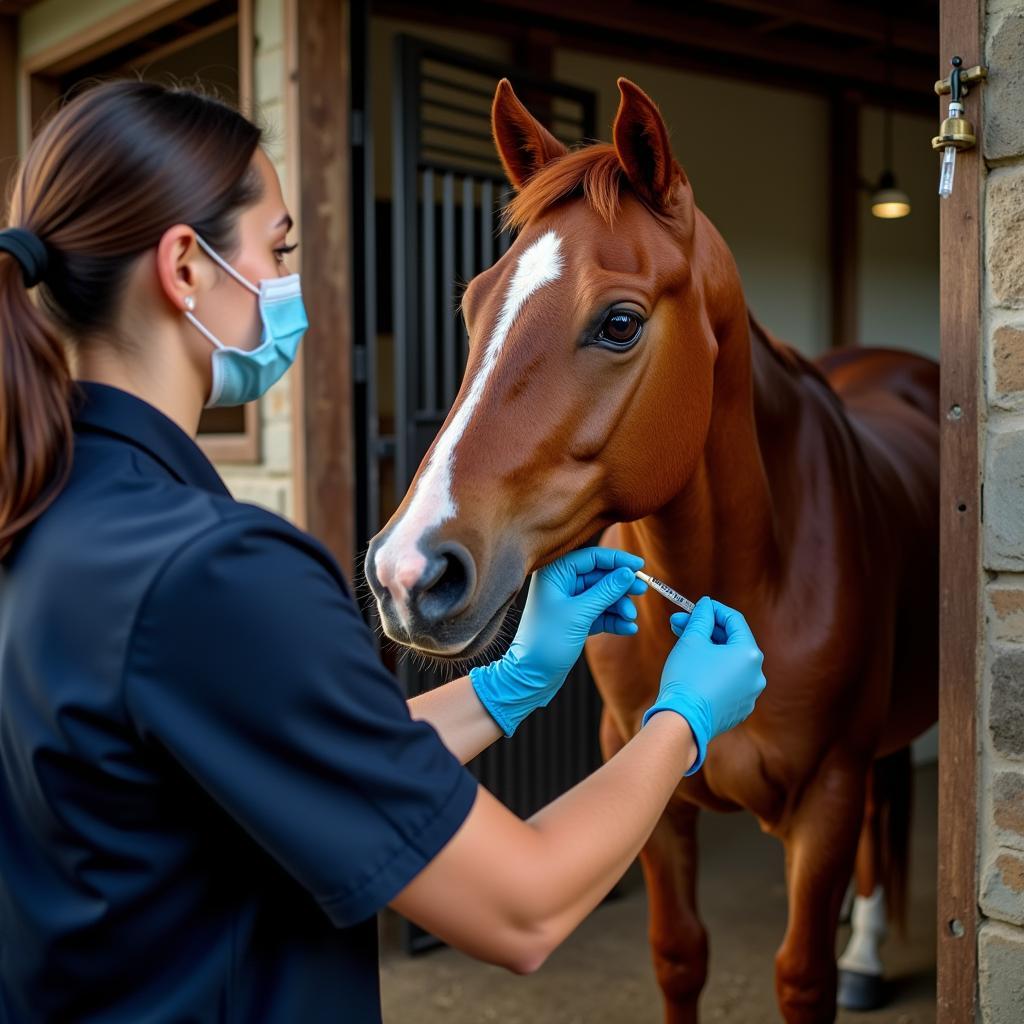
x: 821, y: 842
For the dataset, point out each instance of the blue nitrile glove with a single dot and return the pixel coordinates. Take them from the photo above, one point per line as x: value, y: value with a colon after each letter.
x: 712, y: 677
x: 583, y: 592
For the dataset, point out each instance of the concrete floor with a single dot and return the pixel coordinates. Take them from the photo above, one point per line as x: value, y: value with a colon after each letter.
x: 602, y: 973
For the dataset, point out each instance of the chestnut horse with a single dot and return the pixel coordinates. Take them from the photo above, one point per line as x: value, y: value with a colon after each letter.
x: 617, y: 381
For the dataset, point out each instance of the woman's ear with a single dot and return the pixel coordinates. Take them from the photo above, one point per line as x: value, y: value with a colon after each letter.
x: 523, y: 143
x: 179, y: 264
x: 641, y: 142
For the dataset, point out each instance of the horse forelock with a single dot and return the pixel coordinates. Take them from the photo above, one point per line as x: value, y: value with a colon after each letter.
x: 593, y: 173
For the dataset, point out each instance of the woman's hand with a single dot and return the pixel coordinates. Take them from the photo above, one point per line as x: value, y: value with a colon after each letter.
x: 582, y: 593
x: 712, y: 677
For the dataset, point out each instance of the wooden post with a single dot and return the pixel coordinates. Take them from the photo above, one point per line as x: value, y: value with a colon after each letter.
x: 8, y: 106
x: 960, y: 624
x: 325, y: 232
x: 844, y: 186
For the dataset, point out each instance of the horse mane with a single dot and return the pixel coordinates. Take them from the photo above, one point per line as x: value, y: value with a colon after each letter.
x: 592, y: 173
x: 794, y: 362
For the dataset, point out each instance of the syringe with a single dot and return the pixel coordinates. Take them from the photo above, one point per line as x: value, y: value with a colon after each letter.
x: 666, y: 591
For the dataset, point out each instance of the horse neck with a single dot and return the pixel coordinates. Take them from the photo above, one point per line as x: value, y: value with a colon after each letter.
x: 721, y: 532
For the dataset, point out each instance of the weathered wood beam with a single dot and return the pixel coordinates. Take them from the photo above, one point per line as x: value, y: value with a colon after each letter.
x: 325, y: 232
x: 850, y: 20
x: 648, y: 32
x: 844, y: 188
x: 698, y: 33
x: 961, y: 621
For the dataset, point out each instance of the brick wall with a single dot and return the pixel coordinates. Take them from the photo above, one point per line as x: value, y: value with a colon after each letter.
x: 1001, y: 736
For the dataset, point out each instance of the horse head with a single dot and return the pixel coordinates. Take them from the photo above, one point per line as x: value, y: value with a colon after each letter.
x: 587, y: 396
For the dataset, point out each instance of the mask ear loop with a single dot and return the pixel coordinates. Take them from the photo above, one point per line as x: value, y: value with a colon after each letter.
x: 209, y: 335
x: 225, y: 266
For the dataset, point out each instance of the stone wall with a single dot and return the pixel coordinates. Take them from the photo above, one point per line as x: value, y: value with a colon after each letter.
x: 1001, y: 716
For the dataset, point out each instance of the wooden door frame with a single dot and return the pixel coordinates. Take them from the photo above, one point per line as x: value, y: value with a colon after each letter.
x: 38, y: 89
x: 960, y: 621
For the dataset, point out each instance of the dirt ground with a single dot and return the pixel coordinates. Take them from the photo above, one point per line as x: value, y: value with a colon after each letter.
x: 602, y: 973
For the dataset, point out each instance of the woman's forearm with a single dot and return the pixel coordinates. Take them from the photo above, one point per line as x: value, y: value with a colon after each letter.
x: 510, y: 891
x: 461, y: 721
x: 589, y: 836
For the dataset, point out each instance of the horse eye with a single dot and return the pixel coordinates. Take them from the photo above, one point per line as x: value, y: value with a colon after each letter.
x: 621, y: 328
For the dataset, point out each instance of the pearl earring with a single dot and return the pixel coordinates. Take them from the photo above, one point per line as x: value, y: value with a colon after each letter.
x: 190, y: 303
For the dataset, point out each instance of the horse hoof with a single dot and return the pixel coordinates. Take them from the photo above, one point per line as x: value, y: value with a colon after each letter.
x: 860, y: 991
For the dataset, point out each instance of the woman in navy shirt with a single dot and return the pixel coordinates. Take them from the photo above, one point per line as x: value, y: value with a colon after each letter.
x: 208, y: 783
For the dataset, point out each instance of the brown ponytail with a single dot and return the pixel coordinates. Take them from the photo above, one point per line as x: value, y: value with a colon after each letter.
x: 35, y: 423
x: 98, y: 187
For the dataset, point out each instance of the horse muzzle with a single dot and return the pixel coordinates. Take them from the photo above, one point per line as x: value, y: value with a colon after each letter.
x: 434, y: 599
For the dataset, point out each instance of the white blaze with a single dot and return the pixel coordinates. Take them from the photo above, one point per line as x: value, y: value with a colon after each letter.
x: 399, y: 563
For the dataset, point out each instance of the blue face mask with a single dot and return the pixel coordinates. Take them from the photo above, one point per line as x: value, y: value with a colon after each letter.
x: 241, y: 375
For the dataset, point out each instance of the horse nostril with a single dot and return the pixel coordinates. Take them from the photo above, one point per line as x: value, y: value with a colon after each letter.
x: 448, y: 591
x: 452, y: 583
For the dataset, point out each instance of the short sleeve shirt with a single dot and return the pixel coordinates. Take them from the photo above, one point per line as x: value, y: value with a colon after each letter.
x: 208, y: 782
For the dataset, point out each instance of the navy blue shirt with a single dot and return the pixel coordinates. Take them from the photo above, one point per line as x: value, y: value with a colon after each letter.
x: 208, y: 782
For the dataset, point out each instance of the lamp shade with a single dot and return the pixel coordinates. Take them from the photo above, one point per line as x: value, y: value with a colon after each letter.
x: 887, y: 201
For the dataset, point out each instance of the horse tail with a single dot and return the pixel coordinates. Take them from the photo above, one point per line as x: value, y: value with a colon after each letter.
x: 894, y: 790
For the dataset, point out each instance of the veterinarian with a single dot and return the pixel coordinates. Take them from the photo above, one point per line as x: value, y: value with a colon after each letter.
x: 209, y: 783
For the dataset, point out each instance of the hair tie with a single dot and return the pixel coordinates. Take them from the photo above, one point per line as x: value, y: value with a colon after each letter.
x: 29, y: 250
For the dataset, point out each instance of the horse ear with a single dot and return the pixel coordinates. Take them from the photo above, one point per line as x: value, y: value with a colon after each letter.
x: 524, y: 144
x: 641, y: 141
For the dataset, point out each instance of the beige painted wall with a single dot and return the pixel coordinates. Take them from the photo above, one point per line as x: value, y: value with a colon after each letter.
x: 899, y: 259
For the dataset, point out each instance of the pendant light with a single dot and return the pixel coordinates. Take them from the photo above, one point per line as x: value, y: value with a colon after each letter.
x: 888, y: 201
